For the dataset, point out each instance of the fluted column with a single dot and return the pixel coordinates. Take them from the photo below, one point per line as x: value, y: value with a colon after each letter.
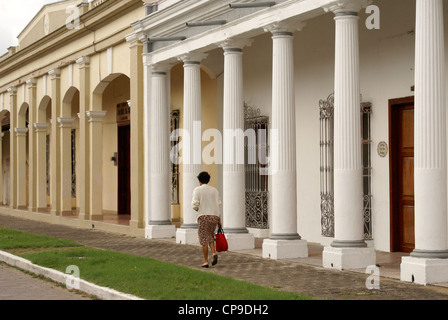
x: 41, y: 165
x: 159, y: 204
x: 284, y: 241
x: 234, y: 215
x: 192, y: 145
x: 65, y: 127
x: 428, y: 262
x: 348, y: 249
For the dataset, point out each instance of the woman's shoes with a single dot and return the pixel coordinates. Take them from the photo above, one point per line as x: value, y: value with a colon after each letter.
x: 205, y: 266
x: 215, y: 259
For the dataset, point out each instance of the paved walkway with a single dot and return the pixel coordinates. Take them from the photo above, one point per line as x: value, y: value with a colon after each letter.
x: 304, y: 276
x: 17, y: 285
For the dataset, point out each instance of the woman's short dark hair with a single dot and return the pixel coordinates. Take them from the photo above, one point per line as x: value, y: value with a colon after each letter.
x: 204, y: 177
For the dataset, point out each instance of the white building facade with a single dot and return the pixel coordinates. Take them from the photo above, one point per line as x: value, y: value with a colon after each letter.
x: 336, y: 84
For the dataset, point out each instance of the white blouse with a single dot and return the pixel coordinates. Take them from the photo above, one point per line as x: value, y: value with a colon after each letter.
x: 206, y: 201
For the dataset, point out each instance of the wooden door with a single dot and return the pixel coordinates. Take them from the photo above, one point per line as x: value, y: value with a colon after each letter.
x: 402, y: 175
x: 124, y: 169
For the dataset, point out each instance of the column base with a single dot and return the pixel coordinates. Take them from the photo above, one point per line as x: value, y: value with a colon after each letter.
x: 240, y: 241
x: 341, y: 258
x: 66, y: 213
x: 284, y: 249
x: 187, y: 236
x: 160, y: 231
x: 423, y: 270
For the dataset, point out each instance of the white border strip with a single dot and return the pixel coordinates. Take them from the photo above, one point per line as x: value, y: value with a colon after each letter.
x: 84, y: 286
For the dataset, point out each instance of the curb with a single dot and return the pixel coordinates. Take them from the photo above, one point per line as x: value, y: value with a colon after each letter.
x: 103, y: 293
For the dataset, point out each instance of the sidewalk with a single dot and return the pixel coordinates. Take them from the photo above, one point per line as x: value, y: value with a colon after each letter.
x: 304, y: 276
x: 17, y: 285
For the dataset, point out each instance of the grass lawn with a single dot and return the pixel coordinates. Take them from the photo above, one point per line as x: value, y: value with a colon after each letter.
x: 144, y: 277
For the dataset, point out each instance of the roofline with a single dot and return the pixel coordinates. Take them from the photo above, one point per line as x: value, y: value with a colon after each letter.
x: 42, y: 9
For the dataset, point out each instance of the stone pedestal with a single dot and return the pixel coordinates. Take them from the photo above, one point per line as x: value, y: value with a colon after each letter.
x: 284, y: 249
x: 348, y: 258
x: 187, y: 235
x: 160, y: 231
x: 423, y: 270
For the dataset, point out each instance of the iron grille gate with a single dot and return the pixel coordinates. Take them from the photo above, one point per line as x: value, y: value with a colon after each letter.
x: 326, y: 111
x: 256, y: 181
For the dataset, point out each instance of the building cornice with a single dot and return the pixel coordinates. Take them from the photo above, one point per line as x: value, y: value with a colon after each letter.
x: 246, y: 27
x: 89, y: 22
x: 173, y: 19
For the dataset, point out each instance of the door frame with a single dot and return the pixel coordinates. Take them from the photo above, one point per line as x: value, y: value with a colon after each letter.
x: 123, y: 156
x: 394, y: 104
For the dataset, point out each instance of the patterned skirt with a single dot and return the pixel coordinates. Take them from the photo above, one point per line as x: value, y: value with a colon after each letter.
x: 206, y: 229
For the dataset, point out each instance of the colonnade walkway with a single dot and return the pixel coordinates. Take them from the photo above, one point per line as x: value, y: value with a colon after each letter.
x: 304, y: 276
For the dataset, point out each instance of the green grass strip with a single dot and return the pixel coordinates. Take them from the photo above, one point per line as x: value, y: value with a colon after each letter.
x: 144, y: 277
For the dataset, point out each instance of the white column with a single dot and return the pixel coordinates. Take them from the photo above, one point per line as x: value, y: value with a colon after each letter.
x: 348, y: 249
x: 192, y: 145
x: 284, y: 241
x: 234, y: 215
x: 428, y: 262
x: 159, y: 205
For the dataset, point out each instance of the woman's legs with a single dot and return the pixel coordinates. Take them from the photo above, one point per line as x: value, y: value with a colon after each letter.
x: 205, y: 251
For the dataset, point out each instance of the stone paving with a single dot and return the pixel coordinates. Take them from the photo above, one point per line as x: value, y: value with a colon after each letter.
x: 285, y: 275
x: 17, y: 285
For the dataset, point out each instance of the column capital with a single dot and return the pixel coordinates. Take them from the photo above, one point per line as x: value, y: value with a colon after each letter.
x: 346, y: 7
x: 54, y: 74
x: 96, y: 115
x: 41, y: 127
x: 283, y: 27
x: 65, y: 122
x: 21, y: 132
x: 134, y: 41
x: 192, y: 57
x: 12, y: 91
x: 161, y: 68
x: 31, y: 83
x: 2, y: 134
x: 83, y: 62
x: 235, y: 44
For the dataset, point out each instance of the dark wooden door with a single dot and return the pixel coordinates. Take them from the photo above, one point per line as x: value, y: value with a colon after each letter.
x: 124, y: 169
x: 402, y: 174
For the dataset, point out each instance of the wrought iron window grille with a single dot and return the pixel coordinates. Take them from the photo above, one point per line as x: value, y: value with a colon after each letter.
x: 326, y: 112
x: 256, y: 183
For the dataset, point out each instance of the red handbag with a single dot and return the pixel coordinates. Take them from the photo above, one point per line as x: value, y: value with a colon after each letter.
x: 221, y: 241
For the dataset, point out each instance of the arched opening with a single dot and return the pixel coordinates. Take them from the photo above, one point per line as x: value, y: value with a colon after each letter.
x: 22, y: 157
x: 5, y: 159
x: 42, y: 162
x: 112, y: 96
x: 70, y: 121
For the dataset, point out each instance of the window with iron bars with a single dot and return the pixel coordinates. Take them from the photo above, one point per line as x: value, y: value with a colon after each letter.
x: 326, y: 112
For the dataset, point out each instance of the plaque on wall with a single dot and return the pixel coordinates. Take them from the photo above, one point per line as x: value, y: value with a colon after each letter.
x: 382, y: 149
x: 123, y: 113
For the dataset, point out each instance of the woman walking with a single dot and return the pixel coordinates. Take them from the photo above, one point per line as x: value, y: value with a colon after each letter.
x: 207, y: 203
